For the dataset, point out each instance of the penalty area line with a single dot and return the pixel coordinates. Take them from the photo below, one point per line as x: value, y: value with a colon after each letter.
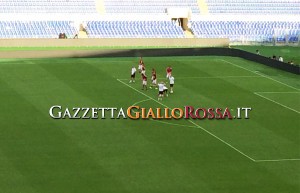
x: 198, y: 126
x: 140, y: 102
x: 175, y: 124
x: 204, y: 77
x: 222, y: 141
x: 212, y: 77
x: 277, y: 160
x: 280, y: 92
x: 276, y: 102
x: 260, y: 74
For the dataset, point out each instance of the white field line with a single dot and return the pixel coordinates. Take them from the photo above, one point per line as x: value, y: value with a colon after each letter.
x: 198, y: 126
x: 206, y: 77
x: 140, y: 102
x: 173, y: 123
x: 277, y: 103
x: 283, y: 92
x: 222, y: 140
x: 211, y: 77
x: 277, y: 160
x: 260, y: 74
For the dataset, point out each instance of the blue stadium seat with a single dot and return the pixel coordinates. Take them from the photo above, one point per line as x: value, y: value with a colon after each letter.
x: 130, y: 29
x: 247, y: 30
x: 36, y: 29
x: 146, y: 6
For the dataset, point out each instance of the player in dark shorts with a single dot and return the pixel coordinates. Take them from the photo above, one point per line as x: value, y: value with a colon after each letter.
x: 161, y: 90
x: 165, y: 90
x: 172, y: 81
x: 132, y: 76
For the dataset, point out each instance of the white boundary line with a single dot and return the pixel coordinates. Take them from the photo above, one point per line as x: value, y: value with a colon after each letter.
x: 141, y: 102
x: 173, y: 123
x: 277, y: 160
x: 212, y: 77
x: 222, y: 140
x: 198, y: 126
x: 259, y: 74
x: 277, y: 103
x: 281, y: 92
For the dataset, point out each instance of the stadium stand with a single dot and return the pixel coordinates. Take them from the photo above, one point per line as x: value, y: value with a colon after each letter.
x: 148, y: 6
x: 36, y: 29
x: 253, y: 6
x: 134, y: 29
x: 260, y: 31
x: 148, y: 19
x: 47, y: 6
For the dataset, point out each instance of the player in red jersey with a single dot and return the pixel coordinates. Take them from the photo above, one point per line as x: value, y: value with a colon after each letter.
x: 153, y: 78
x: 141, y: 65
x: 144, y: 83
x: 169, y: 72
x: 141, y: 60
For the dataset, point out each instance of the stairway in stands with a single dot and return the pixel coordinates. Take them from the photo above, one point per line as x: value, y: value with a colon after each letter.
x: 203, y: 7
x: 82, y: 32
x: 100, y: 6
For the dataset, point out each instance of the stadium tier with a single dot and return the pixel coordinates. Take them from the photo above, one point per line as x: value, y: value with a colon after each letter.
x: 254, y: 6
x: 36, y: 29
x: 261, y: 31
x: 149, y: 19
x: 47, y: 6
x: 148, y: 6
x: 134, y: 29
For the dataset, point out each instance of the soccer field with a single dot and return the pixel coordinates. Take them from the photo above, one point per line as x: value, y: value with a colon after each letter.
x: 45, y: 155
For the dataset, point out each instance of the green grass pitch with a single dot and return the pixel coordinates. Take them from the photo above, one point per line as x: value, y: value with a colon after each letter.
x: 43, y: 155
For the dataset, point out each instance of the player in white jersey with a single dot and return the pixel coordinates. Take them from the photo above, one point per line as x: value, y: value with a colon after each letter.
x: 171, y: 80
x: 161, y: 90
x: 132, y: 76
x: 165, y: 91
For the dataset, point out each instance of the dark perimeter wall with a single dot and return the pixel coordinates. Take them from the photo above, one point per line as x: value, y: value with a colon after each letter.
x: 153, y: 52
x: 203, y: 52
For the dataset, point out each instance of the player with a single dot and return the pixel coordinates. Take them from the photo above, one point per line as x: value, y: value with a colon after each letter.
x: 171, y: 80
x: 141, y: 65
x: 161, y: 90
x: 169, y: 72
x: 141, y: 60
x: 153, y: 78
x: 142, y: 68
x: 143, y: 72
x: 132, y: 77
x: 144, y: 83
x: 165, y: 90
